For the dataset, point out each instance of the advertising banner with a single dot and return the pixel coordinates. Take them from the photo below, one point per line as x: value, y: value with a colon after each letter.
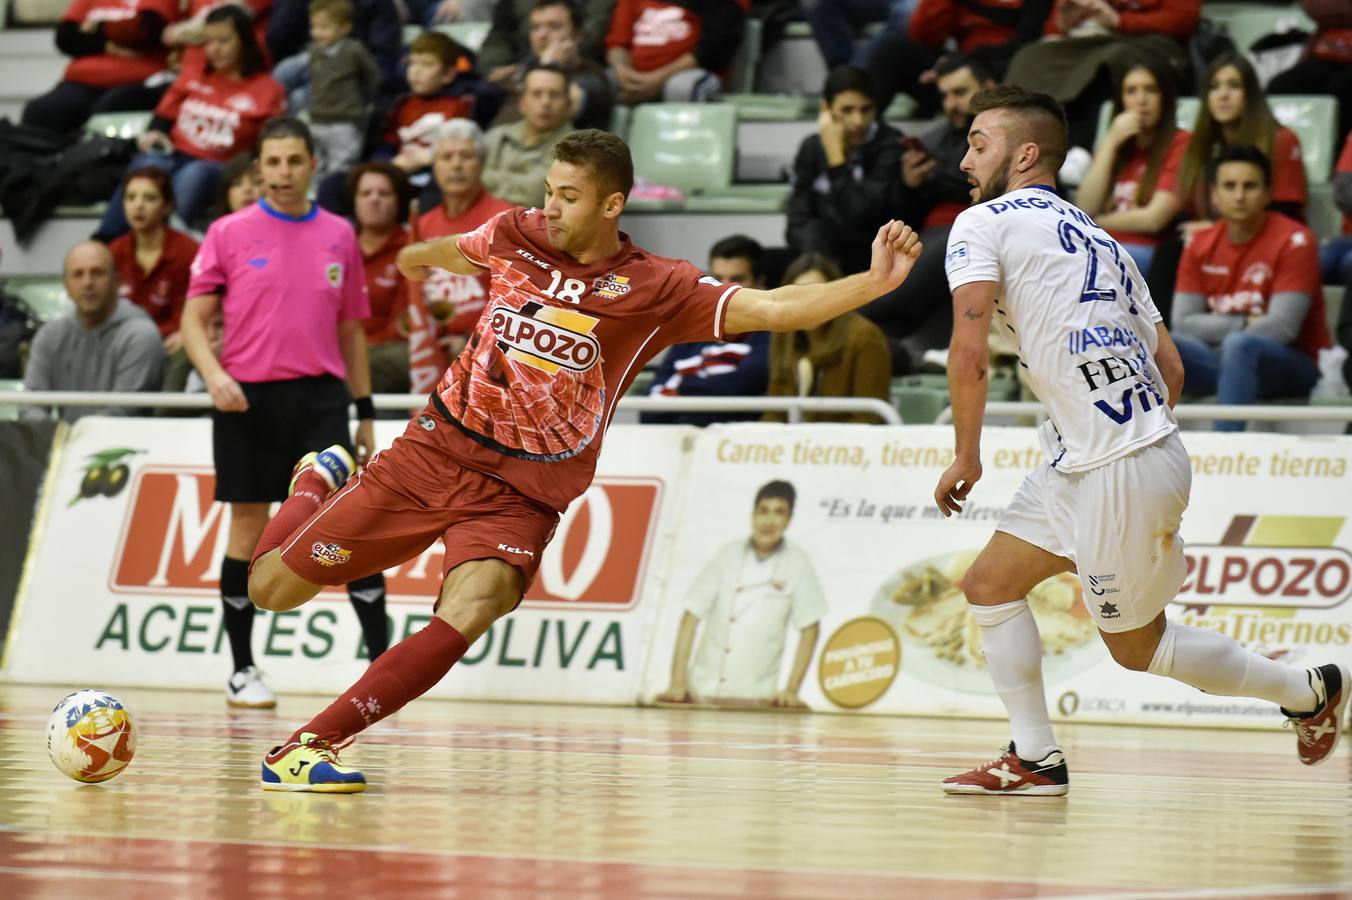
x: 860, y: 607
x: 121, y: 587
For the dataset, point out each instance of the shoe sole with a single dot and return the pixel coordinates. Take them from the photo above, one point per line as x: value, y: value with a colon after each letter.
x: 315, y: 788
x: 244, y: 704
x: 1036, y: 790
x: 1337, y: 717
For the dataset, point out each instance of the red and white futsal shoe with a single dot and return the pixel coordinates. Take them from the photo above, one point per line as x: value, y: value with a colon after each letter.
x: 1317, y: 732
x: 1008, y: 774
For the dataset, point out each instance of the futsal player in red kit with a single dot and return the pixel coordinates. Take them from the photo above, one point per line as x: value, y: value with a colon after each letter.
x: 513, y: 430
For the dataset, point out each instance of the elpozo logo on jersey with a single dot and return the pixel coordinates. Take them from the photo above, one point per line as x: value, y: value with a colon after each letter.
x: 546, y: 337
x: 611, y: 286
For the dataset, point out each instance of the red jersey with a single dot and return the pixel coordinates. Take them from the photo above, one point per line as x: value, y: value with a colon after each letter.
x: 1240, y: 279
x: 386, y: 289
x: 416, y: 119
x: 162, y: 291
x: 935, y: 21
x: 106, y: 69
x: 216, y: 117
x: 469, y: 293
x: 1128, y: 181
x: 533, y: 392
x: 195, y: 57
x: 1174, y: 18
x: 1344, y: 166
x: 656, y: 33
x: 1288, y: 168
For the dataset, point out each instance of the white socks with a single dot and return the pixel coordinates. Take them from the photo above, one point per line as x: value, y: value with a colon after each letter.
x: 1014, y: 656
x: 1212, y: 662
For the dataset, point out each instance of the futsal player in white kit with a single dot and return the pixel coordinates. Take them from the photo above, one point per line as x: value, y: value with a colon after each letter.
x: 1108, y: 501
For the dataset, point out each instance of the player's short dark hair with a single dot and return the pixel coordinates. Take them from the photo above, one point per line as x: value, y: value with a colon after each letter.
x: 403, y: 191
x: 776, y: 490
x: 573, y: 13
x: 1043, y: 119
x: 739, y: 246
x: 956, y: 62
x: 156, y: 176
x: 452, y: 56
x: 1245, y: 153
x: 546, y: 67
x: 281, y: 127
x: 341, y: 11
x: 604, y: 154
x: 846, y: 78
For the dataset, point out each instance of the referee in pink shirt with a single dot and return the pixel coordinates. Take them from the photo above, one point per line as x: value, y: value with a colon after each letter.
x: 287, y: 277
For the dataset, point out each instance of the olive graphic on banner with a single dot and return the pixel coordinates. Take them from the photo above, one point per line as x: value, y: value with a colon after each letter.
x: 105, y: 474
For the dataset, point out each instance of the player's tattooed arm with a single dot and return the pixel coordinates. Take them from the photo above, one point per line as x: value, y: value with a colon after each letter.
x: 416, y: 261
x: 968, y: 362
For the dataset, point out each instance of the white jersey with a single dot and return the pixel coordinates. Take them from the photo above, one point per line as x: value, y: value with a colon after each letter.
x: 1075, y: 306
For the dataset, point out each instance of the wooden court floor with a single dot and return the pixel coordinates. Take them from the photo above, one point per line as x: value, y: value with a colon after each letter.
x: 472, y: 800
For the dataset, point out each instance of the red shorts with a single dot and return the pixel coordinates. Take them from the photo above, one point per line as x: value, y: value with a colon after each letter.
x: 406, y: 498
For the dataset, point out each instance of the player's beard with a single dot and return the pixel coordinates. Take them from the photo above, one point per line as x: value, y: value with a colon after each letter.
x: 998, y: 184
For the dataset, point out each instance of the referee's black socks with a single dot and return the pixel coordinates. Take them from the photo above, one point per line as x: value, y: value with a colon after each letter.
x: 238, y: 610
x: 368, y: 600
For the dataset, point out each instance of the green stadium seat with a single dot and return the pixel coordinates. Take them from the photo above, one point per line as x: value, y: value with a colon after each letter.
x: 1322, y: 213
x: 619, y: 120
x: 1246, y: 24
x: 9, y: 412
x: 745, y: 62
x: 129, y: 125
x: 410, y: 34
x: 470, y: 35
x: 689, y: 146
x: 45, y: 296
x: 771, y: 107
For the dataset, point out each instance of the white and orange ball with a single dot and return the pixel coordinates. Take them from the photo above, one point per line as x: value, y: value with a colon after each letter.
x: 91, y: 736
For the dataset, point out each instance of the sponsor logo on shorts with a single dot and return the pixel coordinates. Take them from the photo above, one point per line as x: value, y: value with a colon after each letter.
x: 1101, y: 585
x: 329, y: 554
x: 546, y: 338
x: 505, y: 548
x: 610, y: 286
x: 1109, y: 611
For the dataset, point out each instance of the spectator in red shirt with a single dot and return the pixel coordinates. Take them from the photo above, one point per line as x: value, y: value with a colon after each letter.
x: 113, y: 43
x: 1326, y: 66
x: 1336, y: 257
x: 457, y: 300
x: 902, y: 60
x: 379, y: 194
x: 153, y: 262
x: 1094, y: 38
x: 1131, y: 188
x: 1248, y: 314
x: 207, y: 117
x: 672, y: 51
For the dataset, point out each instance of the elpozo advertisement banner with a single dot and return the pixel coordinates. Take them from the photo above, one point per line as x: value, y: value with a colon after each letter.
x: 121, y: 579
x: 860, y: 609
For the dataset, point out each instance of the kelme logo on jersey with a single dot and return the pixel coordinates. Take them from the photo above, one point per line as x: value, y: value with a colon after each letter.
x: 610, y: 286
x: 546, y: 338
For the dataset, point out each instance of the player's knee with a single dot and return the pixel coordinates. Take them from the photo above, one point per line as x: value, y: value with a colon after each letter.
x: 1133, y: 654
x: 274, y: 587
x: 981, y: 589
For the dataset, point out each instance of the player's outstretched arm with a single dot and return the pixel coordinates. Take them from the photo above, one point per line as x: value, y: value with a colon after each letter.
x: 1169, y: 362
x: 416, y: 261
x: 798, y: 306
x: 968, y: 365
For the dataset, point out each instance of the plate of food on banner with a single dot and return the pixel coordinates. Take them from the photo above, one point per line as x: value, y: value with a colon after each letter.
x: 941, y: 639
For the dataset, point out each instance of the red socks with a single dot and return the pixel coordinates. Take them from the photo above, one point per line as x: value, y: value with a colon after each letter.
x: 404, y: 672
x: 311, y: 491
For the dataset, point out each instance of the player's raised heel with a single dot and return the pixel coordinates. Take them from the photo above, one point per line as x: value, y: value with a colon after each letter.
x: 1008, y: 774
x: 1317, y: 732
x: 334, y: 464
x: 310, y: 764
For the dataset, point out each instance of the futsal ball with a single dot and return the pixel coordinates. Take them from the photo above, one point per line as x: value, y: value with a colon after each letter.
x: 91, y: 736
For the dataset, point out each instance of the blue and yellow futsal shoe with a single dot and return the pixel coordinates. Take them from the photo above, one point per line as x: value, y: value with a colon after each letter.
x: 310, y: 764
x: 334, y: 464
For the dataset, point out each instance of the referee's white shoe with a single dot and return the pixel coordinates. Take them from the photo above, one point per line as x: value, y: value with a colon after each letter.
x: 246, y: 690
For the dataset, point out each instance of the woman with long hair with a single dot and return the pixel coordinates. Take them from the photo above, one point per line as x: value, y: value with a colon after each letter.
x: 153, y: 262
x: 207, y: 117
x: 1234, y: 110
x: 1131, y: 188
x: 846, y: 357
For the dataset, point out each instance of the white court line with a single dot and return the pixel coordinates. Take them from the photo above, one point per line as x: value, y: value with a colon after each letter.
x: 1190, y: 893
x: 102, y: 874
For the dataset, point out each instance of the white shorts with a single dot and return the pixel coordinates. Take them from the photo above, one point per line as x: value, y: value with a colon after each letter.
x: 1118, y: 524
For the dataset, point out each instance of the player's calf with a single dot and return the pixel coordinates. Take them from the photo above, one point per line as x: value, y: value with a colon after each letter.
x: 274, y: 587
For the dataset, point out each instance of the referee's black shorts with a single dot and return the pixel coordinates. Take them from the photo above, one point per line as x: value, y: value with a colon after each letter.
x: 256, y: 450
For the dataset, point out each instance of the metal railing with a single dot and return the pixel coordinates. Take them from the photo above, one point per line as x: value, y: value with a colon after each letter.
x: 1185, y: 412
x: 794, y: 407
